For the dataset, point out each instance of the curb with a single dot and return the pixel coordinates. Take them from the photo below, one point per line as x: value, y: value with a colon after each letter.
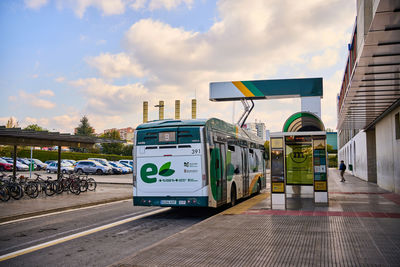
x: 36, y: 213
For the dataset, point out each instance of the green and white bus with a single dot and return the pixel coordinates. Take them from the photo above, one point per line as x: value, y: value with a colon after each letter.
x: 195, y: 163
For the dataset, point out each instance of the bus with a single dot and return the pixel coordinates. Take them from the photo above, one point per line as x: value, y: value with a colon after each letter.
x: 195, y: 163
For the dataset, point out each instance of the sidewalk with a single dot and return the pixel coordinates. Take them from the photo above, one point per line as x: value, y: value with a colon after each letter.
x: 360, y: 226
x: 26, y: 207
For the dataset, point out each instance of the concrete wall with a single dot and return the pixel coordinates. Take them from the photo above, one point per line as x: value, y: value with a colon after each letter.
x: 354, y: 152
x: 388, y: 153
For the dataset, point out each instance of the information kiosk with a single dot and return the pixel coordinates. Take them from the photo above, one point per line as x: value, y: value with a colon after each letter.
x: 298, y: 160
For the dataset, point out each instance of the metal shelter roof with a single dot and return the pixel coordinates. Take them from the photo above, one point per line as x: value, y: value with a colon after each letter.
x: 17, y: 136
x: 265, y: 89
x: 371, y: 84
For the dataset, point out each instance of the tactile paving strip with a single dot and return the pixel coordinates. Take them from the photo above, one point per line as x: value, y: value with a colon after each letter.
x: 277, y: 240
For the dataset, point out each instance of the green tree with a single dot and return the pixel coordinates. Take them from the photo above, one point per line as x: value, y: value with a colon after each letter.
x: 112, y: 148
x: 84, y: 127
x: 127, y: 150
x: 34, y: 127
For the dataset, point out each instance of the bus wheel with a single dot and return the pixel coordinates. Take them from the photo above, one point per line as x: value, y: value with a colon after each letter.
x: 258, y: 187
x: 233, y: 196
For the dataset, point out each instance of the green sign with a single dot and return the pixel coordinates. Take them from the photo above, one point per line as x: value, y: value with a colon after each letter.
x: 299, y: 164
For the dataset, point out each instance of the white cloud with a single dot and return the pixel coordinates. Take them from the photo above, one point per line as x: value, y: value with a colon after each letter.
x: 115, y: 66
x: 34, y: 101
x: 35, y: 4
x: 108, y: 99
x: 138, y: 4
x: 168, y: 4
x: 108, y: 7
x: 279, y: 35
x: 60, y: 79
x: 160, y: 4
x: 46, y: 93
x: 328, y: 59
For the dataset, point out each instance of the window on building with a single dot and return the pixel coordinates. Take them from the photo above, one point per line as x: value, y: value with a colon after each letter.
x: 397, y: 125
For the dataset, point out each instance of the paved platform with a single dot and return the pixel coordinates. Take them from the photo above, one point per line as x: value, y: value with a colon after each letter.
x: 359, y: 227
x: 26, y: 207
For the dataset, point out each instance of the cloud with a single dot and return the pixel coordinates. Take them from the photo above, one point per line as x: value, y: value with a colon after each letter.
x: 60, y: 79
x: 108, y: 7
x: 279, y: 37
x: 328, y: 59
x: 160, y: 4
x: 35, y: 4
x: 115, y: 66
x: 34, y: 100
x: 107, y: 99
x: 46, y: 93
x: 168, y: 4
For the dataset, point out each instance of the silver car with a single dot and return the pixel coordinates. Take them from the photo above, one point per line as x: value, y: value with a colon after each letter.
x: 90, y: 166
x: 65, y: 168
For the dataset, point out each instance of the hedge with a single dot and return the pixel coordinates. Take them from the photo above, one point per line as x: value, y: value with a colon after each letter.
x: 45, y: 155
x: 333, y: 161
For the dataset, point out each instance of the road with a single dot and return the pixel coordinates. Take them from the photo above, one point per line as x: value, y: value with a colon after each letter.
x: 89, y: 239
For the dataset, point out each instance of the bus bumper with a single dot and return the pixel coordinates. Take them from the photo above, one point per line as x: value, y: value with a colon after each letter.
x: 171, y: 201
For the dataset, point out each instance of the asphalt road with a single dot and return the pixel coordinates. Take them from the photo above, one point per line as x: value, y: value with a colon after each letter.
x: 101, y: 248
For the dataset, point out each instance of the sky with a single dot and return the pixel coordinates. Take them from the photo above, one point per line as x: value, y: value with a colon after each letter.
x: 63, y: 59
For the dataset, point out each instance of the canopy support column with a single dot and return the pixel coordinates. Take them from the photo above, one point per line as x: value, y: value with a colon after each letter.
x: 15, y: 161
x: 59, y: 162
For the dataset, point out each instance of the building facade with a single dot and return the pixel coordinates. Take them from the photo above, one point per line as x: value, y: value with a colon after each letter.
x: 258, y: 128
x: 369, y: 99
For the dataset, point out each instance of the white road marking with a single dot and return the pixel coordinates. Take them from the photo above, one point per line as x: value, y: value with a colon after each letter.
x: 77, y: 235
x: 63, y: 211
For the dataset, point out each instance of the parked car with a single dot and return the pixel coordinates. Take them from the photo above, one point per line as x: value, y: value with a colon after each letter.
x: 65, y: 167
x: 73, y: 162
x: 5, y: 166
x: 130, y: 167
x: 49, y: 161
x: 19, y: 166
x: 40, y: 165
x: 27, y: 162
x: 91, y: 166
x: 119, y: 167
x: 126, y: 161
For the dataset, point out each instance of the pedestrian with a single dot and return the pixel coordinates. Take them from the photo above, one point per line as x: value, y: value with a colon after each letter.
x: 342, y: 168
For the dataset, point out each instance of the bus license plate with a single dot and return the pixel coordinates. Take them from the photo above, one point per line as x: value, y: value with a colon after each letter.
x: 168, y: 202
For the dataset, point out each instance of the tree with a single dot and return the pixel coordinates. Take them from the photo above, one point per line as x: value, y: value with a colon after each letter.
x: 34, y: 127
x: 127, y: 150
x: 12, y: 123
x: 84, y: 127
x: 112, y: 148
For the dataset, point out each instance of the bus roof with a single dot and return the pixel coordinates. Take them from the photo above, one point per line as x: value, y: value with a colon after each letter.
x: 171, y: 123
x: 213, y: 123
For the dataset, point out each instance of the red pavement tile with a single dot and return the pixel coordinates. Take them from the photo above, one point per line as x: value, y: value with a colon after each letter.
x: 320, y: 213
x: 393, y: 197
x: 393, y: 215
x: 307, y: 213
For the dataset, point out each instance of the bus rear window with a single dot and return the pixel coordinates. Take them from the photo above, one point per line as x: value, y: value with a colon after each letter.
x: 162, y: 136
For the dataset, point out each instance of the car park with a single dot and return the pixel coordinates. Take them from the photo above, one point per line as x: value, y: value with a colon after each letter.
x: 27, y: 162
x: 5, y: 166
x: 122, y: 168
x: 130, y: 167
x: 40, y: 165
x: 49, y: 161
x: 19, y: 166
x: 91, y: 166
x: 65, y: 167
x: 126, y: 161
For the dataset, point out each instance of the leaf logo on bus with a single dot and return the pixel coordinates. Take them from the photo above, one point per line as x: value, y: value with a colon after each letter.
x: 150, y: 169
